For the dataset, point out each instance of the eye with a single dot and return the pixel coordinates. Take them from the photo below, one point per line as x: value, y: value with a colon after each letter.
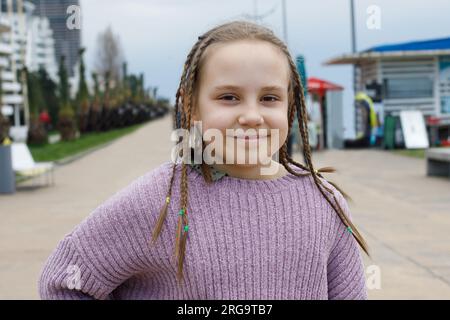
x: 270, y: 99
x: 228, y: 97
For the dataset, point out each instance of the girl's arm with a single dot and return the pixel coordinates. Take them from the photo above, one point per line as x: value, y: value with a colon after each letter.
x: 345, y: 271
x: 66, y: 276
x: 105, y: 250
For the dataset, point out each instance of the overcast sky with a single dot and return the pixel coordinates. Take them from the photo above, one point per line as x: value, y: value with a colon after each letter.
x: 156, y: 35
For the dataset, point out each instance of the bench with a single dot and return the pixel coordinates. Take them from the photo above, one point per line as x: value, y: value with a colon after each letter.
x: 438, y: 162
x: 24, y: 165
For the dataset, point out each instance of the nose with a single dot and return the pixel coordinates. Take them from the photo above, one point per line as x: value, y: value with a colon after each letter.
x: 251, y: 117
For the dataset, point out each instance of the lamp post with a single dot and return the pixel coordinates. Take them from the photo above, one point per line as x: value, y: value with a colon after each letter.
x: 353, y: 33
x: 285, y: 34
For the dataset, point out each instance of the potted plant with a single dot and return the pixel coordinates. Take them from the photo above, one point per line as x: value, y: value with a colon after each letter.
x: 7, y: 181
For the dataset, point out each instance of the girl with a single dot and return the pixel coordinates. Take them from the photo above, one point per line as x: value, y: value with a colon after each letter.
x: 240, y: 232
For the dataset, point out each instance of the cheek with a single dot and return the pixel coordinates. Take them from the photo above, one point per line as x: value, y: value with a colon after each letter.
x: 215, y: 117
x: 214, y: 122
x: 279, y: 120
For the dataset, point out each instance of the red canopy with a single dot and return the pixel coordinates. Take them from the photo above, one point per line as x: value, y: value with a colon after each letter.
x: 319, y: 86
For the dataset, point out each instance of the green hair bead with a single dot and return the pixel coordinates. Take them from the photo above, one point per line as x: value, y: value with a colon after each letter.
x: 181, y: 212
x: 186, y: 228
x: 350, y: 229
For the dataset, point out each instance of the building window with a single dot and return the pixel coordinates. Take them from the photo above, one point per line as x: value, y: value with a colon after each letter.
x: 408, y: 88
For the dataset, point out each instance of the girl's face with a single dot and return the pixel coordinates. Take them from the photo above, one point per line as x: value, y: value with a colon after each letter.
x: 244, y: 85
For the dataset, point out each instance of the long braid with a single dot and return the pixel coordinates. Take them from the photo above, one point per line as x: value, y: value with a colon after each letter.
x: 302, y: 119
x: 181, y: 233
x: 283, y: 151
x: 163, y: 213
x: 180, y: 240
x: 284, y: 156
x: 183, y: 224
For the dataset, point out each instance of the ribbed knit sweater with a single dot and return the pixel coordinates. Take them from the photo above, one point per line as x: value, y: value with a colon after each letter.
x: 248, y: 239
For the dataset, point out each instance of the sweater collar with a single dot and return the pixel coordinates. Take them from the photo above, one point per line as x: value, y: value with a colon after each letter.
x: 215, y: 173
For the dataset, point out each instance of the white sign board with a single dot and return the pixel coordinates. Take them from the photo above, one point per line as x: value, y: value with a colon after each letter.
x: 414, y: 131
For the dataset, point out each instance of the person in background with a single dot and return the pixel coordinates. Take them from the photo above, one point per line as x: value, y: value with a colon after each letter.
x: 44, y: 118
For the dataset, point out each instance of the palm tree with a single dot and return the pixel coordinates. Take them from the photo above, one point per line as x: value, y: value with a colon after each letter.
x: 82, y: 98
x: 94, y: 115
x: 37, y: 132
x: 66, y: 123
x: 49, y: 88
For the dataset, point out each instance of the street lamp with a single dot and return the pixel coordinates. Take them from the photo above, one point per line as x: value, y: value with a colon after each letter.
x: 283, y: 3
x: 353, y: 33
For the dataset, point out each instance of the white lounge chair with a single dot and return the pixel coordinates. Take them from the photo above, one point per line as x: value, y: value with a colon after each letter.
x: 24, y: 165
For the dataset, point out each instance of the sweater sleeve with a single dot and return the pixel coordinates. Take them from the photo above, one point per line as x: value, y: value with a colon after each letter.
x: 345, y: 270
x: 108, y: 247
x: 66, y: 276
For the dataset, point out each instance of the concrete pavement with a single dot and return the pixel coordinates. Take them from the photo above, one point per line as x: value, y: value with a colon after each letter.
x: 404, y: 216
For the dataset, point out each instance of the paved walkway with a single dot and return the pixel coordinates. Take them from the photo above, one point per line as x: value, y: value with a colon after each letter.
x: 404, y: 215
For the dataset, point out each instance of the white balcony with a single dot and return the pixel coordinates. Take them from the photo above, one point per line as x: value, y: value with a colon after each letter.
x: 40, y: 50
x: 11, y: 87
x: 12, y: 99
x: 5, y: 49
x: 5, y: 26
x: 4, y: 62
x: 8, y: 76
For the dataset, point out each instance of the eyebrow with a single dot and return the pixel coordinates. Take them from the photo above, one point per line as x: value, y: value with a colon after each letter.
x: 266, y: 88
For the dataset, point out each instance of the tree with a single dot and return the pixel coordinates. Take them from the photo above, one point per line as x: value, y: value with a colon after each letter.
x: 126, y: 83
x: 137, y: 88
x: 63, y: 88
x: 94, y: 119
x: 82, y: 99
x: 109, y: 59
x: 83, y: 92
x: 37, y: 132
x: 49, y: 88
x: 66, y: 122
x: 96, y: 90
x: 35, y: 96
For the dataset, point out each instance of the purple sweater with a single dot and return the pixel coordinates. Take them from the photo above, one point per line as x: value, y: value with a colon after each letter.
x: 248, y: 239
